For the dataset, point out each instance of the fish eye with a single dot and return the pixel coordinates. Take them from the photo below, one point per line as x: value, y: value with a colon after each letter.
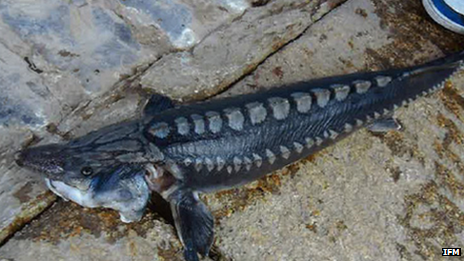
x: 86, y: 171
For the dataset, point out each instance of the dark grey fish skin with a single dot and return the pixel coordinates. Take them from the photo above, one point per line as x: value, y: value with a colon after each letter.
x: 180, y: 151
x: 271, y: 129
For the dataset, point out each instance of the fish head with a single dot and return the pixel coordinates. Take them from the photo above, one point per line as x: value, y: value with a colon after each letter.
x: 105, y: 168
x: 58, y: 162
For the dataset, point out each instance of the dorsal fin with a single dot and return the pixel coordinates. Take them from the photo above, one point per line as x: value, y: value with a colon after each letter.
x: 156, y: 104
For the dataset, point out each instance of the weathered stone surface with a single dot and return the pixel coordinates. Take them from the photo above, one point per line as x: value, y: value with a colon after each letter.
x: 395, y: 196
x: 98, y: 42
x: 58, y: 55
x: 69, y: 232
x: 21, y: 193
x: 234, y: 50
x: 354, y: 39
x: 184, y: 23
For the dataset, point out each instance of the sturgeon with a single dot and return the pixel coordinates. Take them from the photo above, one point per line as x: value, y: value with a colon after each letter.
x: 179, y: 151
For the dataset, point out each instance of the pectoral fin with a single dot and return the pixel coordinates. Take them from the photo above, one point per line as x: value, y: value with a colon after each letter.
x: 194, y: 224
x: 156, y: 104
x: 384, y: 125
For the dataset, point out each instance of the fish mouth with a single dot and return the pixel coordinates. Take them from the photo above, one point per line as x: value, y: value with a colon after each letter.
x: 70, y: 193
x: 53, y: 188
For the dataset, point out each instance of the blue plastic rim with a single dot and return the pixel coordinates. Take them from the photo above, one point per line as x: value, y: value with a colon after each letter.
x: 447, y: 11
x: 456, y: 5
x: 445, y: 15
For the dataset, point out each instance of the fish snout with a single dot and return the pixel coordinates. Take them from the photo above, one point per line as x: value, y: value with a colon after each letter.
x: 46, y: 159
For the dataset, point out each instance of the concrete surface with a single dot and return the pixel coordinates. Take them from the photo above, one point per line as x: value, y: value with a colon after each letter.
x: 66, y: 231
x: 233, y: 50
x: 395, y: 196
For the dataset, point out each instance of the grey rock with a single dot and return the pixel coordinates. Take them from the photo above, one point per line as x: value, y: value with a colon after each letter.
x: 233, y: 50
x: 69, y: 232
